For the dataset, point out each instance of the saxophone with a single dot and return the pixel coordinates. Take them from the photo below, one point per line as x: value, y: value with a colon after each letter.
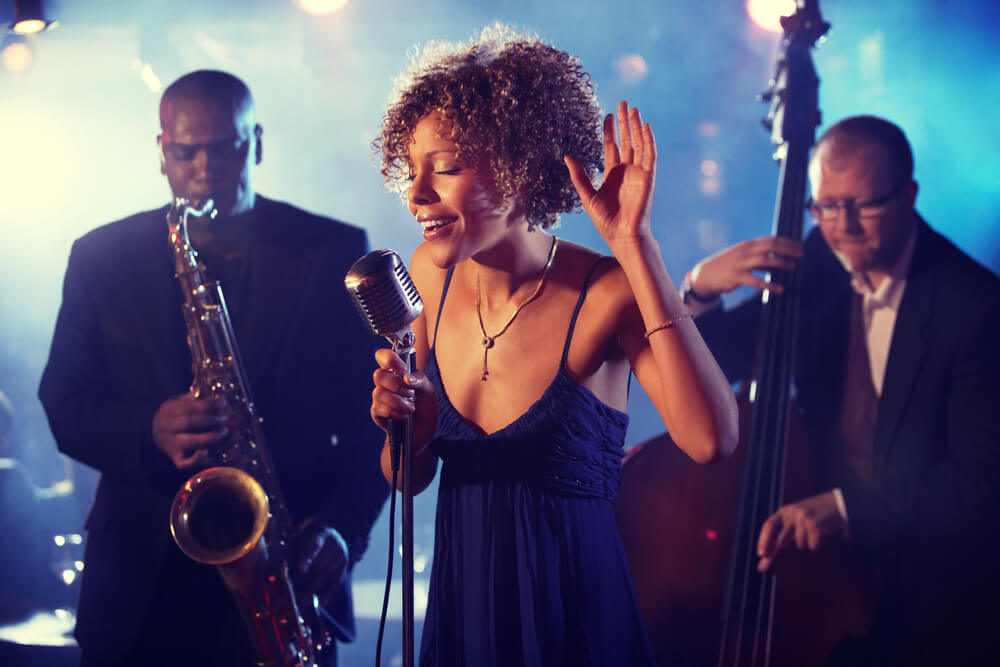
x: 233, y: 515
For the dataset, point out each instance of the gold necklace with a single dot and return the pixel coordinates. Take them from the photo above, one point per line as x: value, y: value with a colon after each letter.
x: 488, y: 340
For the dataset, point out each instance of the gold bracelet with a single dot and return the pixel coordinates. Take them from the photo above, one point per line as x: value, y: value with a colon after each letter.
x: 667, y: 324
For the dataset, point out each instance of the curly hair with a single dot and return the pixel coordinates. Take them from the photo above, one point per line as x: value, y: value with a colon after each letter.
x: 512, y: 103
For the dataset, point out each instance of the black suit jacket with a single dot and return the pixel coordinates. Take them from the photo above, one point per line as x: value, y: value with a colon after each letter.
x: 119, y: 351
x: 928, y: 515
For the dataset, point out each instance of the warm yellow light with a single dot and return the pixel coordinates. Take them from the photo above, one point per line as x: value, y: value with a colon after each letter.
x: 766, y: 13
x: 16, y: 57
x: 321, y: 7
x: 28, y: 26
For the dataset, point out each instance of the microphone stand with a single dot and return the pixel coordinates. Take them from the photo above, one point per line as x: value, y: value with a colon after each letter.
x: 399, y: 443
x: 387, y: 301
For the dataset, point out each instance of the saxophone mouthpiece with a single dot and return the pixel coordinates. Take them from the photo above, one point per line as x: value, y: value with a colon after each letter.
x: 197, y: 208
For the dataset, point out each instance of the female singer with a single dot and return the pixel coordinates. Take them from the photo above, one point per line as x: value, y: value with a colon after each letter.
x: 524, y: 348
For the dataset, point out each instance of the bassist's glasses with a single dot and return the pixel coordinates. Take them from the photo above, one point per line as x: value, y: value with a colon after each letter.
x: 866, y: 209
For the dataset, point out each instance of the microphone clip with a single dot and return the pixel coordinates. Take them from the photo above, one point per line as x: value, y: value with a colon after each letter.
x: 402, y: 341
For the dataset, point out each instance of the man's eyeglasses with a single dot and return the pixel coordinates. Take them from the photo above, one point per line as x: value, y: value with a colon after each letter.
x: 225, y: 148
x: 866, y: 209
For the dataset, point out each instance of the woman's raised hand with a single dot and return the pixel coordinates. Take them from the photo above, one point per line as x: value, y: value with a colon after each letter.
x: 622, y: 206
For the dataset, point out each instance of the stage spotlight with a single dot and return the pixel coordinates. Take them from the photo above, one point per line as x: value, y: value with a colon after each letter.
x: 321, y: 7
x: 29, y: 17
x: 767, y: 13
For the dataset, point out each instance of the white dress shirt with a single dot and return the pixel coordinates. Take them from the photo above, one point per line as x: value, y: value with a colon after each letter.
x: 880, y: 307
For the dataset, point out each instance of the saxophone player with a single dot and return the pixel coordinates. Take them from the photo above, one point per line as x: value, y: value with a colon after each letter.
x: 116, y: 392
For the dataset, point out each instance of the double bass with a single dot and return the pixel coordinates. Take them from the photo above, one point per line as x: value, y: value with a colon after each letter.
x: 690, y: 531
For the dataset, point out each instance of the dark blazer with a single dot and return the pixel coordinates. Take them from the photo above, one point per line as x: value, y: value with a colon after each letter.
x: 929, y: 513
x: 119, y: 351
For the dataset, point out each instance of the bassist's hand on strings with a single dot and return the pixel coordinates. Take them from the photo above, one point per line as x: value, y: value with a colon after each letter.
x: 741, y: 264
x: 807, y: 524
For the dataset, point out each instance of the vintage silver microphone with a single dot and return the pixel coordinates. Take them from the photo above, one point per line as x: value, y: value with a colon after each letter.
x: 388, y: 302
x: 384, y: 295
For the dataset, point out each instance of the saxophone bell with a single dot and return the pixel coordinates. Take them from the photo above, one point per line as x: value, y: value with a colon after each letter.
x: 219, y: 515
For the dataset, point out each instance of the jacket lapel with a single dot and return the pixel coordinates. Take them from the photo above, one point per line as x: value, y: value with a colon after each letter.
x: 910, y: 343
x: 277, y: 271
x: 159, y: 315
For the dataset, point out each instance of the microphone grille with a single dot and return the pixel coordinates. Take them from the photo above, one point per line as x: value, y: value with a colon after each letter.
x: 383, y: 292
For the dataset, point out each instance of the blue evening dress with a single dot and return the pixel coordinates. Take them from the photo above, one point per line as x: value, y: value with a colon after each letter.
x: 528, y: 566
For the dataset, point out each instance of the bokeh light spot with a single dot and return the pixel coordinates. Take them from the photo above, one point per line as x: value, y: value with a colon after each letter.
x: 16, y: 57
x: 766, y: 13
x: 708, y: 128
x: 321, y: 7
x: 632, y: 68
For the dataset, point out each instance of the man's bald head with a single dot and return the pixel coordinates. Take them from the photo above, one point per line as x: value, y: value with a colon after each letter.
x: 210, y: 86
x: 856, y: 133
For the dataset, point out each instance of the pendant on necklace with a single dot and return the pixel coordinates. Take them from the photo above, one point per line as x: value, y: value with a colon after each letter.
x: 487, y: 344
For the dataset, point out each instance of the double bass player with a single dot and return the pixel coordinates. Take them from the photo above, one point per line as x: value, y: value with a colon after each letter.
x: 895, y: 382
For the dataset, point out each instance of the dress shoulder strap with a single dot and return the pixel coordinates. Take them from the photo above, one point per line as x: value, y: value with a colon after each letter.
x: 444, y: 292
x: 576, y: 311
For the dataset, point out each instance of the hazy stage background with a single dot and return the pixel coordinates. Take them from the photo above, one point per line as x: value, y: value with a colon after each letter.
x: 78, y: 126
